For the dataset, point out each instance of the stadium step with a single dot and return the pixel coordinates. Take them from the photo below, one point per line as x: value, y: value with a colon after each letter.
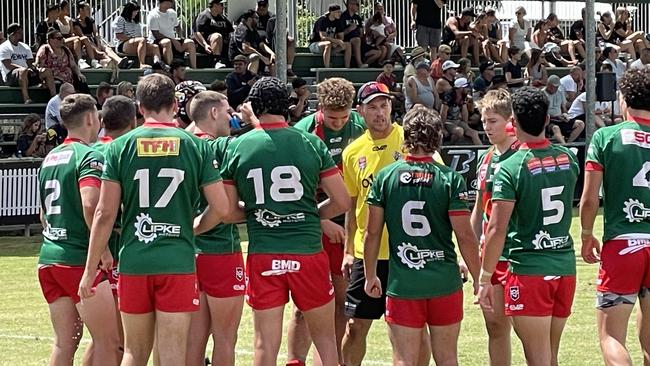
x: 354, y: 75
x: 206, y: 76
x: 22, y: 109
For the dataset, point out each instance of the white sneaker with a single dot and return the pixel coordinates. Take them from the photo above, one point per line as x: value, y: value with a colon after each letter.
x: 219, y: 65
x: 83, y: 64
x: 95, y: 64
x: 364, y: 66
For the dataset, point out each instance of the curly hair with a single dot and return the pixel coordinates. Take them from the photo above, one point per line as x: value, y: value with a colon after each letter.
x: 335, y: 94
x: 422, y: 129
x: 530, y: 108
x: 635, y: 87
x: 498, y: 101
x: 269, y: 96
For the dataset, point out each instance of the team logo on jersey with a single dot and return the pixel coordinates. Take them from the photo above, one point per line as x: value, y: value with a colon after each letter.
x: 336, y: 151
x: 634, y: 137
x: 634, y: 245
x: 534, y: 166
x: 158, y: 146
x: 147, y: 231
x: 549, y: 164
x: 563, y: 161
x: 415, y: 178
x: 397, y: 155
x: 282, y: 266
x: 54, y: 233
x: 514, y: 293
x: 379, y: 147
x: 362, y: 163
x: 57, y: 158
x: 635, y: 211
x: 543, y: 240
x: 415, y: 258
x: 239, y: 273
x: 269, y: 218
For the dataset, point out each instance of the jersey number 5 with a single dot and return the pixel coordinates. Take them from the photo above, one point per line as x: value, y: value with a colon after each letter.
x: 415, y: 224
x: 142, y: 176
x: 549, y: 204
x: 285, y: 184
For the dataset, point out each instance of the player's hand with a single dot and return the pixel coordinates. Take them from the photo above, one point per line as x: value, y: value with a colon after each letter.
x: 106, y: 261
x: 464, y: 271
x: 86, y: 289
x: 590, y: 249
x: 333, y: 231
x: 485, y: 297
x: 346, y: 266
x: 247, y: 114
x: 373, y: 287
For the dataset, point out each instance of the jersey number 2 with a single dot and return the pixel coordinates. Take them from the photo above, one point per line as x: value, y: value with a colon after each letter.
x: 415, y: 224
x: 285, y: 184
x: 142, y: 176
x: 50, y: 207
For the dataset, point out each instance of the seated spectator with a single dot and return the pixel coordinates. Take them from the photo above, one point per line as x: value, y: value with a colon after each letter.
x: 446, y: 82
x: 128, y: 35
x: 126, y: 89
x: 642, y: 61
x: 55, y: 135
x: 57, y: 58
x: 51, y: 14
x: 248, y: 42
x: 219, y: 86
x: 512, y: 70
x: 353, y: 33
x: 495, y: 36
x: 610, y: 57
x: 376, y: 45
x: 212, y: 30
x: 607, y: 36
x: 52, y: 112
x: 239, y: 82
x: 163, y: 26
x: 444, y: 53
x: 64, y: 22
x: 327, y: 37
x: 536, y: 68
x: 577, y: 111
x: 483, y: 82
x: 291, y: 45
x: 572, y: 83
x: 390, y: 80
x: 481, y: 26
x: 567, y: 46
x: 454, y: 113
x: 577, y: 29
x: 499, y: 82
x: 421, y: 89
x: 540, y: 34
x: 104, y: 91
x: 520, y: 30
x: 560, y: 127
x: 298, y: 100
x: 18, y: 68
x: 417, y: 55
x: 177, y: 70
x: 623, y: 28
x: 458, y: 34
x: 395, y: 51
x: 30, y: 141
x: 465, y: 70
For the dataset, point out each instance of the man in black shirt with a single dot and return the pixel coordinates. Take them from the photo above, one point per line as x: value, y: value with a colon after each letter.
x: 211, y: 30
x: 327, y: 36
x: 353, y: 32
x: 247, y: 41
x: 291, y: 44
x: 239, y: 82
x: 51, y: 14
x: 427, y: 23
x: 264, y: 15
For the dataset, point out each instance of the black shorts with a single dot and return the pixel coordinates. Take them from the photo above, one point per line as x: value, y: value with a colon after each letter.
x: 176, y: 52
x: 566, y: 127
x: 13, y: 79
x: 120, y: 47
x: 357, y: 303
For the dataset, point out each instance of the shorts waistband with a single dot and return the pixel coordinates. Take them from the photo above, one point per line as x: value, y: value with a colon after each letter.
x: 629, y: 242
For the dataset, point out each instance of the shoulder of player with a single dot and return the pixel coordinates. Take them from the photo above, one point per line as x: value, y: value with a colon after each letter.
x: 358, y: 121
x: 307, y: 123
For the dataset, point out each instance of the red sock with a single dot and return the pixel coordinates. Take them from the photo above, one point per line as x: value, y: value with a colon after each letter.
x: 296, y: 363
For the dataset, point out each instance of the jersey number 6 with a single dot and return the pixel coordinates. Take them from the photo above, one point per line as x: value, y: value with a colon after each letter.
x: 414, y: 224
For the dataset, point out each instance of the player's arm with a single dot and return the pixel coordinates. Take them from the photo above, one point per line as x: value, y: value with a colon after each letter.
x: 339, y: 200
x: 218, y: 207
x: 477, y: 215
x: 348, y: 245
x: 467, y: 244
x: 371, y: 243
x: 589, y: 203
x: 236, y: 212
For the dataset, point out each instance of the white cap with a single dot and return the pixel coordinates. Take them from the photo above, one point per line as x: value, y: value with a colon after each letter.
x: 449, y: 64
x: 461, y: 83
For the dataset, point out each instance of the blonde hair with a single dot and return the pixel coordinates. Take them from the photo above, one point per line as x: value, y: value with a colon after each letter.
x: 444, y: 47
x: 335, y: 94
x: 498, y: 101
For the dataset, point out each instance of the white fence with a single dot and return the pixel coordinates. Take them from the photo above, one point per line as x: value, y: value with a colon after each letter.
x: 19, y: 198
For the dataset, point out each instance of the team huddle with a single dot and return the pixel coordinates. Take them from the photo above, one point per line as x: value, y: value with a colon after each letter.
x: 347, y: 213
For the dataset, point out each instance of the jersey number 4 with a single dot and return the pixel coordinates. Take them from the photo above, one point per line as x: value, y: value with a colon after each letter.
x: 285, y: 184
x: 142, y: 176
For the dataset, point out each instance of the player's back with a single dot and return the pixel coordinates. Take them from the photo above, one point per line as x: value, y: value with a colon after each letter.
x: 277, y: 171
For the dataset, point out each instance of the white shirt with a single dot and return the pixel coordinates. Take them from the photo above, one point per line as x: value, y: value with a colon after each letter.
x: 577, y: 107
x: 165, y: 23
x: 618, y: 67
x: 638, y: 64
x: 519, y: 39
x: 53, y: 112
x: 18, y: 54
x: 568, y: 84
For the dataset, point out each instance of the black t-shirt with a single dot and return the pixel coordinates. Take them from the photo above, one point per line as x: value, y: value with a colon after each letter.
x: 577, y: 31
x: 88, y: 29
x: 324, y: 24
x: 24, y: 142
x: 262, y: 23
x: 41, y: 31
x: 347, y: 20
x: 515, y: 72
x: 208, y: 24
x: 238, y: 87
x: 243, y: 34
x: 428, y: 14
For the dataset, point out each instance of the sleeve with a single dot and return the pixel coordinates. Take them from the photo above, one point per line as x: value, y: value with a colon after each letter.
x: 5, y: 52
x: 30, y: 55
x: 152, y: 22
x: 112, y: 163
x: 327, y: 165
x: 306, y: 124
x: 349, y: 174
x: 210, y: 166
x: 175, y: 18
x: 90, y: 169
x: 448, y: 98
x: 119, y: 25
x: 504, y: 186
x: 376, y: 195
x: 200, y: 25
x: 594, y: 159
x: 458, y: 196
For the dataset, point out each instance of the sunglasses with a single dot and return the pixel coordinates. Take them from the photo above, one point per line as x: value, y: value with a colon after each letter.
x: 374, y: 89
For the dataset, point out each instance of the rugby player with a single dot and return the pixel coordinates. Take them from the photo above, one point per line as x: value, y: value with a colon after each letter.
x: 532, y: 197
x: 276, y: 170
x: 67, y: 215
x: 219, y: 260
x: 337, y: 126
x: 618, y: 158
x: 157, y: 173
x: 496, y: 111
x: 421, y: 202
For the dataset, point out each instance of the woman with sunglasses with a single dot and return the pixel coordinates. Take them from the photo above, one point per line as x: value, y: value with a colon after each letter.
x: 536, y: 68
x: 57, y: 57
x: 128, y: 35
x: 520, y: 30
x: 607, y: 36
x: 65, y: 26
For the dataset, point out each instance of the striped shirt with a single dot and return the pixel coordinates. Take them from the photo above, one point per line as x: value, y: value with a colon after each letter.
x: 129, y: 29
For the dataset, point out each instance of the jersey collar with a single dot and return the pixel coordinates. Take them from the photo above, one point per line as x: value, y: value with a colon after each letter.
x: 537, y: 144
x: 639, y: 120
x: 419, y: 159
x: 204, y: 135
x: 105, y: 139
x: 69, y: 140
x: 273, y: 125
x: 158, y: 124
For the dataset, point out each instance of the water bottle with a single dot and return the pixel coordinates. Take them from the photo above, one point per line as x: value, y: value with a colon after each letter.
x: 235, y: 122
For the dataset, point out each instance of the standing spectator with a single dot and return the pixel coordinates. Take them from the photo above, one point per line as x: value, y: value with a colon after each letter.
x: 177, y: 71
x: 248, y: 42
x: 444, y: 54
x: 572, y: 84
x: 559, y: 126
x: 395, y: 51
x: 327, y: 37
x: 520, y: 30
x: 610, y: 57
x: 455, y: 114
x: 30, y: 141
x: 483, y: 82
x: 512, y: 69
x: 239, y: 82
x: 59, y: 59
x: 354, y: 31
x: 212, y: 30
x: 568, y: 46
x: 426, y: 21
x: 104, y: 91
x: 18, y: 67
x: 643, y: 61
x: 421, y: 89
x: 126, y: 89
x: 163, y: 26
x: 446, y: 82
x: 52, y: 112
x: 128, y: 35
x: 52, y: 12
x: 298, y: 100
x: 417, y: 55
x: 71, y: 40
x: 536, y: 68
x: 458, y: 34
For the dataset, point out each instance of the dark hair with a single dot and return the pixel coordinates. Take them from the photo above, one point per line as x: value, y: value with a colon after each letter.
x: 269, y: 96
x: 551, y: 17
x: 155, y: 92
x: 219, y: 86
x: 28, y: 122
x: 52, y: 7
x: 74, y: 109
x: 128, y: 10
x: 606, y: 67
x: 530, y: 107
x: 535, y: 55
x: 63, y: 4
x: 81, y: 5
x: 298, y: 83
x: 422, y: 129
x: 539, y: 24
x: 605, y: 54
x: 513, y: 51
x: 51, y: 32
x: 635, y: 87
x: 103, y: 87
x: 176, y: 64
x: 250, y: 13
x: 605, y: 14
x: 118, y: 113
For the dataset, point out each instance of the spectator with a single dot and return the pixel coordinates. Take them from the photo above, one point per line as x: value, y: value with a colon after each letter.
x: 577, y: 110
x: 426, y: 21
x: 559, y: 126
x: 608, y: 37
x: 395, y: 51
x: 177, y: 70
x: 512, y: 70
x: 246, y: 41
x: 327, y: 37
x: 128, y: 35
x: 495, y: 36
x: 59, y: 59
x: 353, y: 33
x: 572, y: 83
x: 52, y: 112
x: 30, y: 142
x: 212, y: 30
x: 219, y: 86
x: 481, y: 26
x: 540, y: 34
x: 454, y: 113
x: 18, y: 67
x: 291, y: 45
x: 577, y: 30
x: 126, y: 89
x: 444, y: 54
x: 417, y: 56
x: 552, y: 53
x: 263, y: 17
x: 298, y: 100
x: 458, y: 34
x: 420, y: 89
x: 376, y: 42
x: 390, y: 80
x: 163, y: 26
x: 484, y: 81
x: 567, y: 46
x: 623, y: 28
x: 104, y: 91
x: 536, y: 68
x: 610, y: 57
x: 465, y: 70
x: 52, y: 12
x: 71, y: 40
x: 239, y: 82
x: 643, y: 61
x: 446, y: 82
x: 520, y: 30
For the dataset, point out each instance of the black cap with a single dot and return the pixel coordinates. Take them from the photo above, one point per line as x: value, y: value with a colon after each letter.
x: 13, y: 28
x: 485, y: 65
x: 468, y: 11
x: 334, y: 7
x: 262, y: 2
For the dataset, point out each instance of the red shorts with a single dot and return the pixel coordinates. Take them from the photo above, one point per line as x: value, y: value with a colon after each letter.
x: 172, y: 293
x: 624, y: 266
x: 500, y: 273
x: 62, y: 281
x: 434, y: 311
x: 221, y: 275
x: 113, y: 277
x: 272, y: 276
x: 528, y: 295
x: 335, y: 254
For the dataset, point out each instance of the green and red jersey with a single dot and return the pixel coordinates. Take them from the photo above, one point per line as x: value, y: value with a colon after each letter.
x: 114, y: 241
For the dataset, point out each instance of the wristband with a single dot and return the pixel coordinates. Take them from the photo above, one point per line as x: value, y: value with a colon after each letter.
x: 486, y: 277
x: 587, y: 231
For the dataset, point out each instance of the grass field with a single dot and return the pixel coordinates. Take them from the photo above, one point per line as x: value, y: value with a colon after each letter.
x: 25, y: 331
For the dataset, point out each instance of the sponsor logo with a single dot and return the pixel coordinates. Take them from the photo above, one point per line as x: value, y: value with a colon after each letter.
x: 96, y: 165
x: 549, y: 164
x: 55, y: 233
x: 158, y: 146
x: 517, y: 307
x: 379, y: 148
x: 215, y: 163
x: 464, y: 196
x: 635, y: 211
x: 418, y: 178
x: 239, y: 287
x: 461, y: 160
x: 634, y: 245
x: 239, y: 273
x: 57, y: 158
x: 147, y: 231
x: 416, y: 258
x: 367, y: 182
x: 397, y: 155
x: 195, y: 302
x: 498, y: 186
x: 269, y: 218
x: 362, y: 163
x: 543, y: 240
x: 336, y: 140
x: 336, y: 151
x: 514, y: 293
x: 534, y: 166
x: 282, y: 266
x: 638, y: 138
x: 563, y: 161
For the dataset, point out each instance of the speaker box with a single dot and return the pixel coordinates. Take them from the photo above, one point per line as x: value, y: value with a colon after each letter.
x: 605, y: 86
